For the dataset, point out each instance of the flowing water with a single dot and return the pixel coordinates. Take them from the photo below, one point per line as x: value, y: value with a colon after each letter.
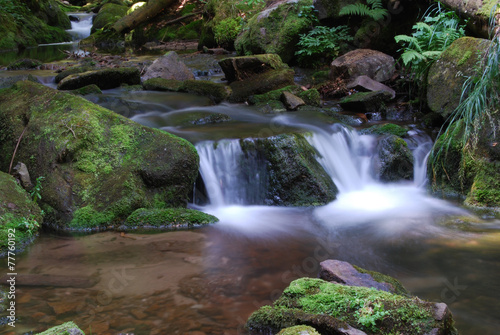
x: 209, y: 280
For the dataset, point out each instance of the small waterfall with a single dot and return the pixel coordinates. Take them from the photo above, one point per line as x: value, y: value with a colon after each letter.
x: 421, y: 145
x: 80, y: 28
x: 231, y: 177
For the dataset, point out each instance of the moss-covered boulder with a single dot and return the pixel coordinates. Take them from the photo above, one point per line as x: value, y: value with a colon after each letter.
x: 167, y: 218
x: 161, y: 84
x: 104, y: 78
x: 277, y: 29
x: 24, y: 64
x: 472, y: 172
x: 19, y: 215
x: 29, y: 23
x: 98, y: 166
x: 108, y: 14
x: 89, y: 89
x: 295, y: 176
x: 447, y: 75
x: 215, y: 91
x: 299, y: 330
x: 272, y: 98
x: 395, y: 159
x: 72, y: 70
x: 385, y: 129
x: 338, y: 309
x: 243, y: 67
x: 261, y: 83
x: 477, y: 11
x: 366, y: 102
x: 66, y: 328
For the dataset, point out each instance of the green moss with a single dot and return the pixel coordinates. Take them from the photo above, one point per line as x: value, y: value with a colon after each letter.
x: 485, y: 190
x: 373, y: 311
x: 87, y: 217
x: 73, y: 70
x: 89, y: 89
x: 215, y: 91
x: 385, y: 129
x: 382, y: 278
x: 24, y: 64
x: 161, y: 84
x: 169, y: 218
x: 299, y: 330
x: 65, y: 328
x: 488, y: 8
x: 109, y: 14
x: 310, y: 97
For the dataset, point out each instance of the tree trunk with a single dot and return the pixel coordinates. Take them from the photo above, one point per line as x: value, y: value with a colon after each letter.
x: 147, y: 12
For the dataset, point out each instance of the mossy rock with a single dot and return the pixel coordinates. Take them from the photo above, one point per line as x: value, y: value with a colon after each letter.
x: 311, y: 97
x: 329, y: 307
x: 73, y: 70
x: 24, y: 64
x: 215, y: 91
x: 276, y: 30
x: 448, y: 73
x: 69, y: 328
x: 106, y: 39
x: 161, y: 84
x: 385, y: 129
x: 18, y: 212
x: 295, y: 176
x: 98, y: 166
x: 167, y: 218
x: 20, y: 27
x: 299, y: 330
x: 108, y: 14
x: 243, y: 67
x: 6, y: 82
x: 395, y: 160
x: 50, y: 11
x: 366, y: 101
x: 261, y: 83
x: 89, y: 89
x: 103, y: 78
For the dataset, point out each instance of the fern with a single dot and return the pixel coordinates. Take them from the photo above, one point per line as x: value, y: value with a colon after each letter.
x: 373, y: 10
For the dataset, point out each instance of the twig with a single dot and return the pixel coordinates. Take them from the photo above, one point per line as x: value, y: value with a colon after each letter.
x: 15, y: 150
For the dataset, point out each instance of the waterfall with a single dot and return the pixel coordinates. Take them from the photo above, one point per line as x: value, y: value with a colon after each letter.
x: 231, y: 177
x: 80, y: 28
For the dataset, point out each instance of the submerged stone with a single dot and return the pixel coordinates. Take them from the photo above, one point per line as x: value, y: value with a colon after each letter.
x: 98, y: 166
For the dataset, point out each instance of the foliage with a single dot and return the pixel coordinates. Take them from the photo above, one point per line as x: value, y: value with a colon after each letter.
x: 479, y: 104
x: 321, y: 42
x: 15, y: 9
x: 429, y: 39
x: 373, y: 10
x: 37, y: 189
x: 225, y: 31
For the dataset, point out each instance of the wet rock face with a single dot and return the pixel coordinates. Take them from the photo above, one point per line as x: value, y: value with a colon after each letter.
x: 104, y: 79
x: 98, y: 166
x: 168, y: 66
x: 395, y: 159
x: 374, y: 64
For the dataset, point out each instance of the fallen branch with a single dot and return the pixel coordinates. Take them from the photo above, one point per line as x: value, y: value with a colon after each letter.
x: 146, y: 12
x: 15, y: 150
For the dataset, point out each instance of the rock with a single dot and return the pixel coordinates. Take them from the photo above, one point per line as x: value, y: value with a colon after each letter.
x: 160, y: 84
x: 477, y: 11
x: 24, y: 64
x: 295, y: 176
x: 366, y: 102
x: 395, y: 159
x: 98, y: 166
x: 215, y: 91
x: 21, y: 172
x: 345, y: 274
x: 243, y: 67
x: 449, y: 72
x: 16, y: 207
x: 6, y: 82
x: 261, y: 83
x: 73, y: 70
x: 275, y: 30
x: 385, y: 129
x: 167, y: 218
x: 108, y: 14
x: 69, y: 328
x: 332, y: 308
x: 168, y: 66
x: 365, y: 83
x: 89, y: 89
x: 299, y: 330
x: 291, y: 102
x: 104, y: 79
x: 371, y: 63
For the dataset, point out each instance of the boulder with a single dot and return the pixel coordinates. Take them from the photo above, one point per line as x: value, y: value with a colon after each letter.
x: 104, y: 79
x: 215, y: 91
x: 261, y: 83
x: 332, y: 308
x: 168, y: 66
x: 22, y: 174
x: 365, y: 83
x: 167, y: 218
x: 374, y: 64
x: 395, y: 159
x: 160, y: 84
x: 24, y: 64
x: 73, y: 70
x: 6, y: 82
x: 108, y: 14
x: 477, y: 11
x: 243, y: 67
x: 98, y: 166
x: 448, y: 73
x: 17, y: 210
x: 89, y: 89
x: 295, y: 176
x: 366, y: 102
x: 299, y: 330
x: 291, y: 102
x: 276, y: 30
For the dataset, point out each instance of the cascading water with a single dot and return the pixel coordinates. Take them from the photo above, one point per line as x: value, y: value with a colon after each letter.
x: 81, y: 25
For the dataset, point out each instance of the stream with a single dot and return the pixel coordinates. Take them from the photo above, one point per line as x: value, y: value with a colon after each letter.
x: 209, y: 280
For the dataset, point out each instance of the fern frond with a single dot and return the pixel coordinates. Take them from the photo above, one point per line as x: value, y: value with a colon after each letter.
x: 378, y: 13
x: 422, y: 26
x: 405, y: 38
x: 431, y: 54
x: 375, y: 4
x: 411, y: 56
x: 355, y: 9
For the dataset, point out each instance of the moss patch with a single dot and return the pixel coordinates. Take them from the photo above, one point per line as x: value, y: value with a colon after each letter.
x: 168, y: 218
x: 385, y: 129
x: 108, y: 14
x: 66, y: 328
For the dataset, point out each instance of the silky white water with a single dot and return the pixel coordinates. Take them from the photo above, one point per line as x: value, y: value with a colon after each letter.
x: 81, y: 29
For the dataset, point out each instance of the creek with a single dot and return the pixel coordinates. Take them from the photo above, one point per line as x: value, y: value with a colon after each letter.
x: 209, y: 280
